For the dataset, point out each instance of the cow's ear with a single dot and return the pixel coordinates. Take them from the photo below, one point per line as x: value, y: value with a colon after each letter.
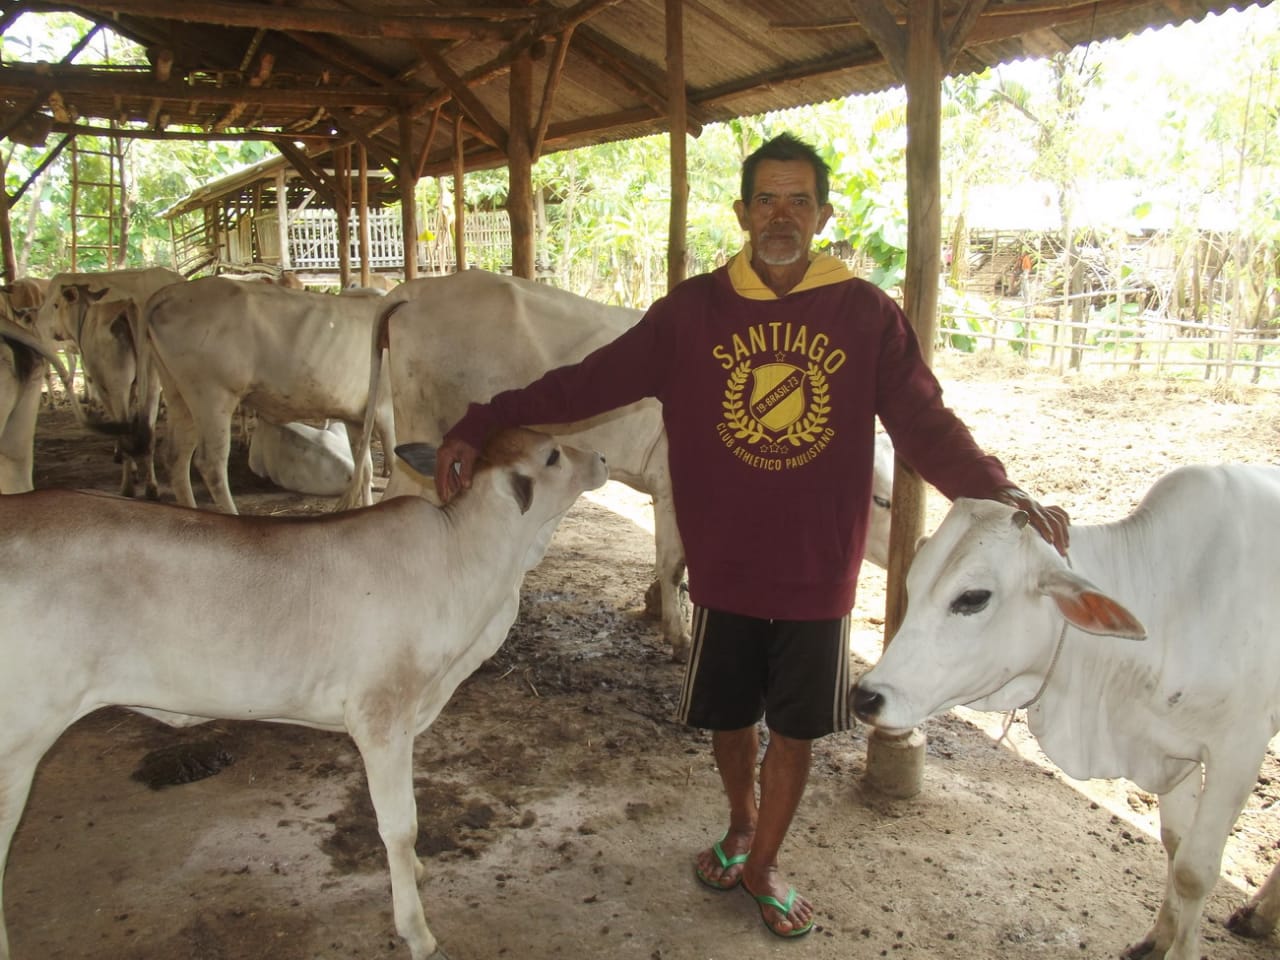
x: 420, y: 459
x: 522, y: 488
x: 1087, y: 607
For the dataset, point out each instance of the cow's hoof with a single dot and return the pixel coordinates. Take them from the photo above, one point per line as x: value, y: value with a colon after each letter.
x: 1245, y: 923
x: 1143, y: 948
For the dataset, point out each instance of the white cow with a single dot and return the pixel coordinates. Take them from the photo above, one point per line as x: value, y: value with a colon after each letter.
x: 996, y: 619
x: 55, y: 318
x: 298, y: 456
x: 464, y: 337
x: 59, y: 318
x: 364, y: 621
x: 288, y: 354
x: 104, y: 329
x: 23, y: 359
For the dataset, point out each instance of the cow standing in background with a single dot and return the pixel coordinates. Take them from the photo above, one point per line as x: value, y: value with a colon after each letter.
x: 1152, y: 654
x: 61, y: 318
x: 104, y: 329
x: 462, y: 338
x: 290, y: 355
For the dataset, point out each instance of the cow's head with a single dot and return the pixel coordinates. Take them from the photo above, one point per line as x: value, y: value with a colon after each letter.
x: 987, y: 598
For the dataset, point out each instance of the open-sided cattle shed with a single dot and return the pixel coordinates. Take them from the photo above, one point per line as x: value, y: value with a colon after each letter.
x: 439, y: 88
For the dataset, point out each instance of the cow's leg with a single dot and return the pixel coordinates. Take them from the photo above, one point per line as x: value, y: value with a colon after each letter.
x: 126, y: 475
x: 213, y: 426
x: 669, y: 561
x: 1229, y: 777
x: 15, y: 784
x: 146, y: 463
x: 17, y: 459
x: 1177, y: 812
x: 15, y: 477
x: 182, y: 446
x: 1261, y: 915
x: 388, y: 764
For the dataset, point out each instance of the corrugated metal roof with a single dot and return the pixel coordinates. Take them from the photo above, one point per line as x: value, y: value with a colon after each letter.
x: 322, y: 73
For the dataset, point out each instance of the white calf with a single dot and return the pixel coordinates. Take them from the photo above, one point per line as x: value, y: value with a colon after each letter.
x: 996, y: 619
x: 364, y: 621
x: 298, y: 456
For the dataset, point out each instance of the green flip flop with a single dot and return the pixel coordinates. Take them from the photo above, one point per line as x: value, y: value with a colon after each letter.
x: 726, y: 862
x: 765, y: 900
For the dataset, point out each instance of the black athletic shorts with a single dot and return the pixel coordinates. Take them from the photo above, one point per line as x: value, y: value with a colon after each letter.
x: 794, y: 673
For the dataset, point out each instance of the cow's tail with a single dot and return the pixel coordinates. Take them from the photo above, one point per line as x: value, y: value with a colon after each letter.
x: 33, y: 345
x: 379, y: 346
x: 141, y: 436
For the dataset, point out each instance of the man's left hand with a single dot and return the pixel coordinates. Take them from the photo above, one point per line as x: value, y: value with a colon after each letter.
x: 1052, y: 523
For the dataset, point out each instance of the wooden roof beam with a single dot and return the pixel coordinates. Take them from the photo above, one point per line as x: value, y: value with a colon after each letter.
x: 320, y: 182
x: 342, y: 56
x: 355, y: 131
x: 402, y: 23
x: 650, y: 85
x: 555, y: 70
x: 21, y: 79
x: 885, y: 32
x: 146, y: 133
x: 492, y: 130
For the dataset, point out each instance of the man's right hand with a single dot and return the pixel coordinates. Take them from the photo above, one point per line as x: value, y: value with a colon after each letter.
x: 455, y: 462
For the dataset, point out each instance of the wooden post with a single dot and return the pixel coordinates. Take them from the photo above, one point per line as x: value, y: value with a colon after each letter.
x: 407, y: 180
x: 365, y: 273
x: 520, y: 167
x: 459, y: 203
x: 282, y: 220
x: 6, y: 238
x: 677, y: 116
x: 895, y: 765
x: 342, y: 207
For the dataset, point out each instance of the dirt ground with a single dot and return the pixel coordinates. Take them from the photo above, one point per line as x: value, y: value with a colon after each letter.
x: 561, y: 807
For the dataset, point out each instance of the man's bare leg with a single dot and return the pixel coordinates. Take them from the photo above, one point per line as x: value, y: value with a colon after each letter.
x: 783, y: 776
x: 735, y: 754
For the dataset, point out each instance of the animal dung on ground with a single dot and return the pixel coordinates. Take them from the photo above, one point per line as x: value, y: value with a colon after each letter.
x: 182, y: 763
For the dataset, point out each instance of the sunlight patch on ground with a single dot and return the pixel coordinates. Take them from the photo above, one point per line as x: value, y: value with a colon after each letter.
x: 625, y: 502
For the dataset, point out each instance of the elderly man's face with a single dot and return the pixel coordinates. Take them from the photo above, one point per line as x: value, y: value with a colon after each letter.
x: 782, y: 215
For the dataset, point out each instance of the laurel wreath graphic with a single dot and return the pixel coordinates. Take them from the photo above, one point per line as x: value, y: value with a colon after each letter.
x: 748, y: 428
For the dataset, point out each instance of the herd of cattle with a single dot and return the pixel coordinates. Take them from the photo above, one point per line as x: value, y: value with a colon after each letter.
x: 1161, y: 666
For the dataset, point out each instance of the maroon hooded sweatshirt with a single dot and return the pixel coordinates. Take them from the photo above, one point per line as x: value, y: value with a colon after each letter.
x: 770, y: 406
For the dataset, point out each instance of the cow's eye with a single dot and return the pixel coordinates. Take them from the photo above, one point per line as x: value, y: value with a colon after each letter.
x: 881, y: 502
x: 970, y: 602
x: 553, y: 457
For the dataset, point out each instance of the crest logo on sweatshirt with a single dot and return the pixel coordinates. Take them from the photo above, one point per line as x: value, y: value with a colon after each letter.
x: 777, y: 401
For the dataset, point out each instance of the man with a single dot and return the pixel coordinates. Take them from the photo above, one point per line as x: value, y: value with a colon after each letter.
x: 771, y: 371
